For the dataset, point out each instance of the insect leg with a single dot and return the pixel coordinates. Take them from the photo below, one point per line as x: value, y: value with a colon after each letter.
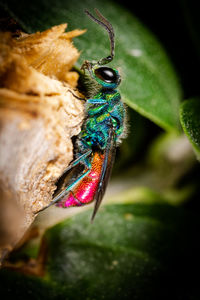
x: 84, y: 173
x: 79, y: 98
x: 62, y: 194
x: 65, y: 192
x: 77, y: 161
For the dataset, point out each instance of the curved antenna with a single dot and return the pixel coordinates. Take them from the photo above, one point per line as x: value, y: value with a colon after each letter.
x: 106, y: 24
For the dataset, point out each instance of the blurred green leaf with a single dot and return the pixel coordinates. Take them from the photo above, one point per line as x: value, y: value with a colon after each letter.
x: 190, y: 120
x: 135, y: 144
x: 133, y: 251
x: 149, y: 85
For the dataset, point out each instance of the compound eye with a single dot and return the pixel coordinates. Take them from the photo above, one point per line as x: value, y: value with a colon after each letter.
x: 106, y: 74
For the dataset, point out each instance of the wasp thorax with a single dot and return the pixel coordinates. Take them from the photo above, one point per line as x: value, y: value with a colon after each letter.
x: 107, y: 75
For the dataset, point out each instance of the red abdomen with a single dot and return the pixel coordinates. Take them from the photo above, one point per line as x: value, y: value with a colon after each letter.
x: 84, y: 191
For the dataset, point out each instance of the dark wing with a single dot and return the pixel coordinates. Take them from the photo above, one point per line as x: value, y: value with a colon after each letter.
x: 106, y: 171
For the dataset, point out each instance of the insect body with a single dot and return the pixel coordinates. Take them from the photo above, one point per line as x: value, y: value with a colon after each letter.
x: 101, y: 132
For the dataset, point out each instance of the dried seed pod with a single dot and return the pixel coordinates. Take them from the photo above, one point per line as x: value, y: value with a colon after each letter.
x: 38, y: 117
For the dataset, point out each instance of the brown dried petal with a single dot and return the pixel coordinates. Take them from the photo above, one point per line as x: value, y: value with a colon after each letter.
x: 38, y: 117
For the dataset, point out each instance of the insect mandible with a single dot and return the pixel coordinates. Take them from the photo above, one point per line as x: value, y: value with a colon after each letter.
x: 103, y: 128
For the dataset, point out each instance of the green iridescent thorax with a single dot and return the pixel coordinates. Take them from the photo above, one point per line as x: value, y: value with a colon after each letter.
x: 103, y: 111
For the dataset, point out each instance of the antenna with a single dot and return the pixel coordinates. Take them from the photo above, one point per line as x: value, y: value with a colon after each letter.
x: 106, y: 24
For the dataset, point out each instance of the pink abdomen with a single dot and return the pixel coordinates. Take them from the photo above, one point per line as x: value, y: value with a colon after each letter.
x: 84, y: 191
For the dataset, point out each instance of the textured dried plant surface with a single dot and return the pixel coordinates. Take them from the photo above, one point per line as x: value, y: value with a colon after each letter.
x: 38, y: 117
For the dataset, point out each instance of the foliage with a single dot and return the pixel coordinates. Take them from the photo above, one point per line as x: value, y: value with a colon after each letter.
x: 144, y: 256
x: 189, y: 114
x: 142, y: 248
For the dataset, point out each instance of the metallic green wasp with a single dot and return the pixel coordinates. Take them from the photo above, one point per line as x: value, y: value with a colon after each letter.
x: 103, y: 128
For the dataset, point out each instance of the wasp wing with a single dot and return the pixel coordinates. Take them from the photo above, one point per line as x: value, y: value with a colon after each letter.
x: 109, y: 157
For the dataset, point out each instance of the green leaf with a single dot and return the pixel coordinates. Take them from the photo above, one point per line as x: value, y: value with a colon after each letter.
x: 149, y: 83
x: 190, y: 121
x: 135, y: 144
x: 133, y: 251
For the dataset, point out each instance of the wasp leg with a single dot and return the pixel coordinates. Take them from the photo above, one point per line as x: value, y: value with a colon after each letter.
x: 67, y: 190
x: 79, y: 98
x: 64, y: 193
x: 77, y: 161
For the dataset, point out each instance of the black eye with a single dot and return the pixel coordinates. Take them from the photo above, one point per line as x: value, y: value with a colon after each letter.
x: 106, y: 74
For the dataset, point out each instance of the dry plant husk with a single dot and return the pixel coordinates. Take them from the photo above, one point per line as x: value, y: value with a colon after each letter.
x: 38, y: 117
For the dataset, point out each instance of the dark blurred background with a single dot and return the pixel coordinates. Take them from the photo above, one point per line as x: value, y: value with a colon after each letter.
x: 176, y: 24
